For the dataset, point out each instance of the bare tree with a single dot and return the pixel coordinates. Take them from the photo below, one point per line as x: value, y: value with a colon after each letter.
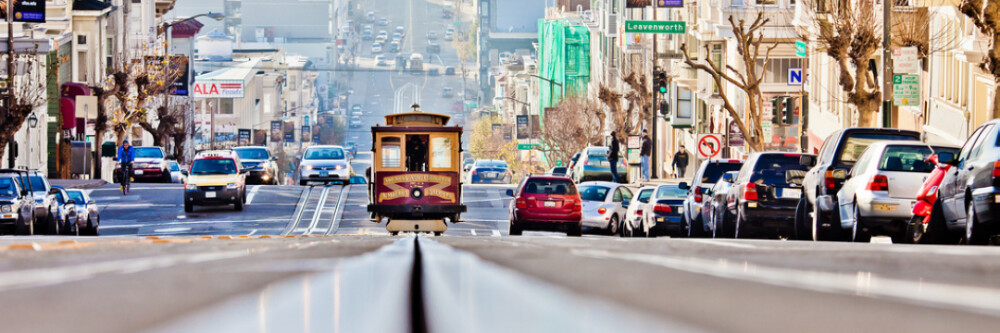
x: 569, y: 128
x: 29, y: 93
x: 163, y: 72
x: 985, y: 15
x: 748, y: 80
x: 627, y: 119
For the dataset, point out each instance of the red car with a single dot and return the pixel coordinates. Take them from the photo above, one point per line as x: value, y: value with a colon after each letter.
x: 546, y: 203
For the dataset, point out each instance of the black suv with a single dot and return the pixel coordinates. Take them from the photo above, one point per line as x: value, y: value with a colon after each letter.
x: 708, y: 174
x: 836, y: 158
x: 765, y: 193
x: 970, y: 191
x: 17, y: 204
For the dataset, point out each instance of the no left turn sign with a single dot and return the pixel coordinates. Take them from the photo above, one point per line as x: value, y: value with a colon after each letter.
x: 709, y: 145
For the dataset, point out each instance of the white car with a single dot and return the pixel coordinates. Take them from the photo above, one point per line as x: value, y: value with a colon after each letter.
x: 662, y: 214
x: 878, y: 196
x: 380, y: 60
x: 177, y: 174
x: 355, y: 122
x: 377, y: 48
x: 604, y: 205
x: 327, y: 164
x: 633, y: 217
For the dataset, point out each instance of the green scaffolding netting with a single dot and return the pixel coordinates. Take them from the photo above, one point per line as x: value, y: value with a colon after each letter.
x: 563, y: 57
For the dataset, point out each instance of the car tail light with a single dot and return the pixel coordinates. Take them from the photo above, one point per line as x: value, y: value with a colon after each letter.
x: 750, y: 193
x: 734, y: 161
x: 521, y: 203
x: 638, y: 212
x: 829, y: 180
x: 697, y: 194
x: 602, y: 210
x: 996, y: 169
x: 879, y: 183
x: 662, y: 208
x: 578, y: 207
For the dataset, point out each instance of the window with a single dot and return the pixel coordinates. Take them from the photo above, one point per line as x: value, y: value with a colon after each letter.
x: 81, y: 39
x: 717, y: 59
x: 670, y: 192
x: 225, y: 106
x: 216, y: 166
x: 593, y: 193
x: 766, y: 2
x: 324, y: 154
x: 391, y: 154
x: 441, y: 154
x: 644, y: 195
x: 777, y: 69
x: 909, y: 158
x: 684, y: 103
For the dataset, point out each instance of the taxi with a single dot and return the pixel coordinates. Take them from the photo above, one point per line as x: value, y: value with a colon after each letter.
x: 216, y: 178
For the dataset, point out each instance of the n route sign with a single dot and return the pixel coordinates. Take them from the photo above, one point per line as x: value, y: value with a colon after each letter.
x: 656, y: 27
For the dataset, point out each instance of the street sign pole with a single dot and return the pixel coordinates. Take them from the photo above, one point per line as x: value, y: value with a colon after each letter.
x: 803, y: 97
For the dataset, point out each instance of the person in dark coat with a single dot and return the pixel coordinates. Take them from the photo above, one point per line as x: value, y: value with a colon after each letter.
x: 680, y: 161
x: 613, y: 154
x: 645, y: 152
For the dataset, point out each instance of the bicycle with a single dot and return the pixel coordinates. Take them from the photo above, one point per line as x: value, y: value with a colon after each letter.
x: 126, y: 178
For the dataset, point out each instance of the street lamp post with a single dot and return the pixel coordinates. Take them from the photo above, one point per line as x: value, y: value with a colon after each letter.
x: 550, y: 81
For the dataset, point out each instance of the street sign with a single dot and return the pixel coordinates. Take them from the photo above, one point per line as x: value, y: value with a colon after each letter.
x: 905, y: 61
x: 735, y: 135
x: 768, y: 128
x: 634, y: 141
x: 795, y: 76
x: 767, y: 112
x: 527, y: 146
x: 656, y: 27
x: 906, y: 90
x: 670, y: 3
x: 709, y: 145
x: 670, y: 55
x: 800, y: 48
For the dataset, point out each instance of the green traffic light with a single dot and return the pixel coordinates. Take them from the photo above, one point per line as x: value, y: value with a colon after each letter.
x: 663, y: 90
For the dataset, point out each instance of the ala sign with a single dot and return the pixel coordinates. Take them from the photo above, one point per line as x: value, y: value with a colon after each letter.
x: 218, y: 89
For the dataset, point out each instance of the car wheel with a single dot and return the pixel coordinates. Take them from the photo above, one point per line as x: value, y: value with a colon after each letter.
x: 937, y: 231
x: 514, y: 229
x: 858, y: 232
x: 915, y: 229
x: 740, y: 224
x: 613, y: 225
x: 824, y: 234
x: 803, y: 231
x: 575, y: 231
x: 188, y: 207
x: 21, y: 228
x: 52, y: 225
x: 975, y: 234
x: 696, y: 227
x: 238, y: 204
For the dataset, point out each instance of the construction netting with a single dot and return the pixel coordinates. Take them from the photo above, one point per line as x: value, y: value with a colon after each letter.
x: 563, y: 57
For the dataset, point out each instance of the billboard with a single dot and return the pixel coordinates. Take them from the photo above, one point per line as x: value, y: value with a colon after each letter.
x: 276, y: 131
x: 306, y: 134
x: 289, y: 131
x: 218, y: 89
x: 243, y: 138
x: 259, y: 137
x: 522, y: 127
x: 181, y: 85
x: 25, y: 11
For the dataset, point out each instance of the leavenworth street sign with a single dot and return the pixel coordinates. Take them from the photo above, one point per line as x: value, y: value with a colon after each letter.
x: 527, y: 146
x: 656, y: 27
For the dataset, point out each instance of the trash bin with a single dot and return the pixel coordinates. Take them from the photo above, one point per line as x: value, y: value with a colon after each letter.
x: 81, y: 161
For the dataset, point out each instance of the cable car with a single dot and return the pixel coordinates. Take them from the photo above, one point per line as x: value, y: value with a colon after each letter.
x: 416, y: 172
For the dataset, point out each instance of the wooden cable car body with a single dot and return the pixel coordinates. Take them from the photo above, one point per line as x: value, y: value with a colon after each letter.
x: 415, y: 180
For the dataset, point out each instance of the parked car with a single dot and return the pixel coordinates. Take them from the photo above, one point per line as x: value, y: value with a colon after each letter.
x: 572, y: 165
x: 604, y: 205
x: 970, y: 191
x: 355, y: 122
x: 150, y: 165
x: 707, y: 175
x: 490, y: 172
x: 17, y: 204
x: 716, y: 210
x: 593, y: 165
x: 447, y: 92
x: 765, y: 195
x: 431, y: 35
x: 326, y: 164
x: 67, y: 218
x: 45, y: 204
x: 632, y: 223
x: 662, y: 214
x: 86, y: 210
x: 177, y: 174
x: 558, y: 171
x: 261, y: 166
x: 545, y: 203
x: 881, y: 189
x: 467, y: 164
x: 449, y: 70
x: 840, y: 151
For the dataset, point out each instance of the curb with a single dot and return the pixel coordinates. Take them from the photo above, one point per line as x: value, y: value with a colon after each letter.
x: 86, y: 185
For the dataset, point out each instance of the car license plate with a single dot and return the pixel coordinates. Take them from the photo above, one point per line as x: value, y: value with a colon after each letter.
x: 550, y: 204
x: 997, y: 199
x: 490, y: 174
x: 137, y: 172
x: 791, y: 193
x: 679, y: 209
x: 659, y: 219
x: 605, y: 164
x: 885, y: 207
x: 324, y: 174
x: 209, y: 194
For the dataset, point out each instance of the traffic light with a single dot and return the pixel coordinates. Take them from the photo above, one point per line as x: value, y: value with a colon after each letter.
x: 790, y: 103
x: 664, y: 108
x: 776, y: 108
x: 660, y: 81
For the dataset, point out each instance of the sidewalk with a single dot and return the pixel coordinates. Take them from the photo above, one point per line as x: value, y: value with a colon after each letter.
x: 77, y: 183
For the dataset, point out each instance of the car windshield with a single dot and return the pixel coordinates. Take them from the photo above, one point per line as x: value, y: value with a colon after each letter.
x: 670, y: 192
x: 644, y: 195
x: 148, y: 152
x: 7, y: 187
x: 714, y: 171
x: 910, y: 158
x: 214, y: 166
x: 777, y: 169
x: 549, y: 186
x: 324, y: 154
x: 594, y: 192
x: 252, y: 153
x: 174, y: 166
x: 492, y: 164
x: 857, y: 143
x: 76, y: 196
x: 37, y: 184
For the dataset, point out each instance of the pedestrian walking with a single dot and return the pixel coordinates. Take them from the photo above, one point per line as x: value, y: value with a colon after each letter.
x: 680, y: 162
x: 644, y: 153
x: 613, y: 157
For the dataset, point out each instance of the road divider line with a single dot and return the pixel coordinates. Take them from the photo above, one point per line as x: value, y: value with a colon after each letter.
x: 301, y: 204
x: 252, y: 194
x: 339, y: 210
x: 319, y: 210
x: 723, y: 243
x: 980, y: 300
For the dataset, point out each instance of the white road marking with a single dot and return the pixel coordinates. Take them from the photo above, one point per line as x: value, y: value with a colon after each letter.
x: 924, y: 293
x: 254, y: 231
x: 123, y: 226
x: 496, y: 233
x: 723, y: 243
x: 253, y: 193
x: 171, y: 230
x: 472, y: 231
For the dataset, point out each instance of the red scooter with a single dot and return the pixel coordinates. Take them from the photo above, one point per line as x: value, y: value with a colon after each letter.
x: 923, y: 210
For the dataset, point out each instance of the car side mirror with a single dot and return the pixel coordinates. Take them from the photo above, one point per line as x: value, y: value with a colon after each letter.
x: 244, y: 171
x: 54, y: 191
x: 71, y: 202
x: 92, y: 202
x: 274, y: 158
x: 510, y: 193
x: 684, y: 186
x: 727, y: 177
x: 184, y: 172
x: 625, y: 204
x: 807, y: 161
x: 947, y: 158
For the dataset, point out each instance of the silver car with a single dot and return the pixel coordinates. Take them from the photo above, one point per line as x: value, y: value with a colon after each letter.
x: 327, y: 164
x: 89, y: 216
x: 878, y: 196
x: 177, y: 174
x: 633, y: 217
x: 604, y: 205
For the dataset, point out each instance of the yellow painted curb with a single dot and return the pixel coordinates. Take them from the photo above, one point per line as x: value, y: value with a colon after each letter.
x: 29, y: 246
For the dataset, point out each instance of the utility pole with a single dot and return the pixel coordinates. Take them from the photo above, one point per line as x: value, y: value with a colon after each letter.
x: 652, y: 121
x: 10, y: 75
x: 887, y: 63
